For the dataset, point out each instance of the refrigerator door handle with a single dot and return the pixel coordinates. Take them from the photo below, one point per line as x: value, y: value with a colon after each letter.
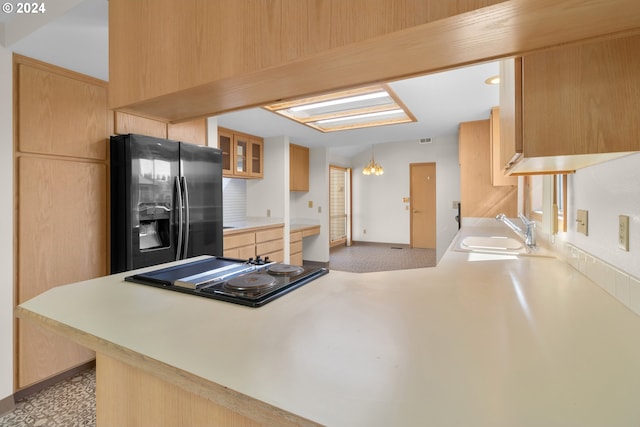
x: 187, y: 220
x: 180, y: 218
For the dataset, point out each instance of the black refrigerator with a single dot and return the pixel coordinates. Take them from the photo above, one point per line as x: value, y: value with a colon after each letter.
x: 166, y: 201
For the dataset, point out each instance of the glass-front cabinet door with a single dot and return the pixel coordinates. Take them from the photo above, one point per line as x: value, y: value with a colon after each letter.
x: 256, y: 158
x: 225, y: 143
x: 241, y: 155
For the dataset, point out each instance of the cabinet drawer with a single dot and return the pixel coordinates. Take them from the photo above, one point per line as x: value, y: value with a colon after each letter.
x: 277, y: 256
x: 311, y: 231
x: 237, y: 240
x: 296, y: 247
x: 296, y: 236
x: 243, y: 252
x: 295, y: 259
x: 264, y: 248
x: 270, y: 234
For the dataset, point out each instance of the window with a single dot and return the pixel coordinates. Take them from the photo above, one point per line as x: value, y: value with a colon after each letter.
x: 545, y: 200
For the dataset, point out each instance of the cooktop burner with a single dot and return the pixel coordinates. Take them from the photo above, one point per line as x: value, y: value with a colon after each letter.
x: 250, y: 282
x: 231, y: 280
x: 285, y: 269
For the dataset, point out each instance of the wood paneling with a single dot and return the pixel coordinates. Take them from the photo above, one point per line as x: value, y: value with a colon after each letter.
x: 155, y: 35
x: 479, y: 198
x: 129, y: 123
x: 60, y: 114
x: 167, y: 59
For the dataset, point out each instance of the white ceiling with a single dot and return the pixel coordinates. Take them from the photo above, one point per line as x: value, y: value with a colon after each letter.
x: 74, y: 34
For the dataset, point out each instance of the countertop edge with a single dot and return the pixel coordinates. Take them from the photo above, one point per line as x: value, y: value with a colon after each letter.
x: 242, y: 404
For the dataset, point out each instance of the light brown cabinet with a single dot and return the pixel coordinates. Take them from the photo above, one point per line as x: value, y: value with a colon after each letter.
x: 498, y: 173
x: 128, y: 123
x: 61, y: 192
x: 298, y: 168
x: 193, y: 131
x: 265, y: 241
x: 295, y: 248
x: 479, y: 198
x: 580, y: 105
x: 296, y: 242
x: 242, y: 154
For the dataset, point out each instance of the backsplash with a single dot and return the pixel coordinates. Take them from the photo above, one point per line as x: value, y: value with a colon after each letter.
x: 234, y: 200
x: 622, y: 286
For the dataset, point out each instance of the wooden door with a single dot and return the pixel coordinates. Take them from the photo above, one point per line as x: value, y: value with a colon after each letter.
x: 423, y: 205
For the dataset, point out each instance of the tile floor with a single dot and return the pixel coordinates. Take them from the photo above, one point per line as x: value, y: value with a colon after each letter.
x: 68, y: 403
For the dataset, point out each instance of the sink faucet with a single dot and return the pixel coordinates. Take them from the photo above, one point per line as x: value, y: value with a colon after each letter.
x: 529, y: 235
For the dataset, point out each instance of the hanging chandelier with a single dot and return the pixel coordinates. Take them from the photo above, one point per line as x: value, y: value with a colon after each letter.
x: 372, y: 167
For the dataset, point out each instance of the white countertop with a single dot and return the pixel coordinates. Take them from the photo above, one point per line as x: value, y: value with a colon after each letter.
x: 513, y: 342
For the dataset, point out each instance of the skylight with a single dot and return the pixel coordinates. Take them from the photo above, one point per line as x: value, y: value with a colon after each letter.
x: 349, y: 109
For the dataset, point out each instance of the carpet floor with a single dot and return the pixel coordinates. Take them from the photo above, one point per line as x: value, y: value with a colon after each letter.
x: 365, y: 257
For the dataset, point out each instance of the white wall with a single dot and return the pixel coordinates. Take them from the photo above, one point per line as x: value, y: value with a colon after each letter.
x: 315, y: 248
x: 377, y: 200
x: 607, y: 190
x: 269, y: 197
x: 6, y: 225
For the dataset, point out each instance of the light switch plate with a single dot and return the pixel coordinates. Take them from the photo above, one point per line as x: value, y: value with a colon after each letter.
x: 623, y: 232
x: 583, y: 222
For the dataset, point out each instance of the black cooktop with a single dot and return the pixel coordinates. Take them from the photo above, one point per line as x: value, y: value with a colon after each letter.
x: 243, y: 282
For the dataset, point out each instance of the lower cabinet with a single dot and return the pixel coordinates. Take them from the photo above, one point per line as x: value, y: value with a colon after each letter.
x: 264, y: 242
x: 295, y: 246
x: 297, y: 234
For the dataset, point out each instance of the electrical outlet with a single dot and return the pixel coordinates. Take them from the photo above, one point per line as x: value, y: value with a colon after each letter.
x: 268, y: 213
x: 310, y: 204
x: 364, y: 231
x: 583, y: 222
x: 623, y: 232
x: 319, y: 209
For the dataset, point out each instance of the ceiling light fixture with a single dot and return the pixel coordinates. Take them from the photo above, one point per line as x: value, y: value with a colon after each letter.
x: 345, y: 110
x: 494, y: 80
x: 372, y: 168
x: 340, y: 101
x: 361, y: 116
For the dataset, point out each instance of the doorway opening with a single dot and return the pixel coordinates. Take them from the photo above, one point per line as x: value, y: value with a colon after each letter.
x: 339, y: 206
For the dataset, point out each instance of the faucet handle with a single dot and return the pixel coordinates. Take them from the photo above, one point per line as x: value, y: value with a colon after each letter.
x: 526, y: 220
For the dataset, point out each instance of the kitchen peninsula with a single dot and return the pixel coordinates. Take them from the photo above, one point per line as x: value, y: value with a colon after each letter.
x: 482, y: 341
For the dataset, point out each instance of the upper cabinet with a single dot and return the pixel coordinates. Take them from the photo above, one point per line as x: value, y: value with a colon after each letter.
x: 298, y: 168
x: 193, y: 131
x: 498, y: 175
x: 478, y: 196
x: 580, y: 106
x: 242, y: 154
x: 128, y: 123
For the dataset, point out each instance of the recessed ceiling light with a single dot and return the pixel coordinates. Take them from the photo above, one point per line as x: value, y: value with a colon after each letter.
x: 494, y: 80
x: 350, y: 109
